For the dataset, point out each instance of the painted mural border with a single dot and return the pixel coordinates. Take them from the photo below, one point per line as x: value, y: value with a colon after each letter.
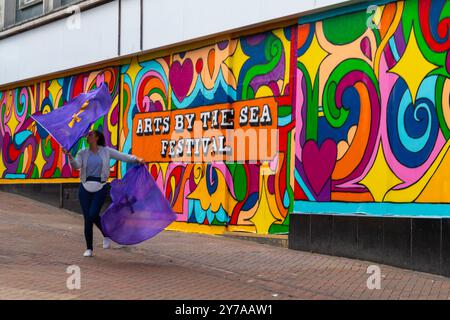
x: 373, y: 209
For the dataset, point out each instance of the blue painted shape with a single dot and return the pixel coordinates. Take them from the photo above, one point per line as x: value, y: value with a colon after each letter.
x: 20, y: 137
x: 15, y: 176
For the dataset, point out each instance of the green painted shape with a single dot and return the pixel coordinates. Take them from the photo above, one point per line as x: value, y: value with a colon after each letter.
x: 284, y: 111
x: 278, y: 229
x: 160, y: 93
x: 240, y: 182
x: 250, y: 94
x: 312, y: 99
x: 20, y: 165
x: 335, y: 116
x: 57, y: 173
x: 216, y: 222
x: 345, y: 29
x: 231, y: 167
x: 273, y: 51
x: 48, y: 149
x: 35, y: 174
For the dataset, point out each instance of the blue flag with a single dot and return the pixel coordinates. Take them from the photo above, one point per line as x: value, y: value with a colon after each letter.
x: 73, y: 120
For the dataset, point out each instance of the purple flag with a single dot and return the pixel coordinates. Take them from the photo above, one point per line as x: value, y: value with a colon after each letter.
x: 72, y: 121
x: 138, y: 211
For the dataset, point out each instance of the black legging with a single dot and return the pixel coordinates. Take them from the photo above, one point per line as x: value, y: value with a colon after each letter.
x: 91, y: 204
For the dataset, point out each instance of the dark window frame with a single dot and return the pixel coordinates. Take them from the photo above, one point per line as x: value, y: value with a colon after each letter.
x: 26, y: 5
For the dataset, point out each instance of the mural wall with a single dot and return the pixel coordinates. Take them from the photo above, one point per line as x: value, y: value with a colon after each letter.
x: 253, y: 197
x: 363, y: 119
x: 242, y: 195
x: 373, y: 112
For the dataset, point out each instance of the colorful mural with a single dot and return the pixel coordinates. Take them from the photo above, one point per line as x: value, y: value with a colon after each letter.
x: 253, y: 197
x: 248, y: 196
x: 27, y: 151
x: 372, y: 111
x: 363, y: 119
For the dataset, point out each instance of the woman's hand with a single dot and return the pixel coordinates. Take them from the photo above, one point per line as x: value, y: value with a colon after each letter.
x: 140, y: 161
x: 67, y: 153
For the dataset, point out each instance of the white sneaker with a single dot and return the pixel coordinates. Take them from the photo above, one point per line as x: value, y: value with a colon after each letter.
x: 88, y: 253
x: 106, y: 243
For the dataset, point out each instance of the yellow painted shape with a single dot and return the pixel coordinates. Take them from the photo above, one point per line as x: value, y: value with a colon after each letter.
x: 121, y: 136
x: 113, y: 130
x: 226, y: 70
x: 236, y: 61
x: 2, y: 166
x: 221, y: 198
x: 264, y: 91
x: 312, y: 58
x: 196, y: 228
x: 263, y: 217
x: 378, y: 15
x: 39, y: 161
x: 163, y: 166
x: 240, y: 228
x: 412, y: 66
x: 412, y: 192
x: 54, y: 90
x: 172, y: 183
x: 271, y: 198
x: 13, y: 123
x: 133, y: 70
x: 380, y: 179
x: 438, y: 187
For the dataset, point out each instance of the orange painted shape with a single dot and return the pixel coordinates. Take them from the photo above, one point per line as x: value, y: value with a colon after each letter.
x: 303, y: 32
x: 211, y: 62
x: 355, y: 153
x: 387, y: 18
x: 352, y: 196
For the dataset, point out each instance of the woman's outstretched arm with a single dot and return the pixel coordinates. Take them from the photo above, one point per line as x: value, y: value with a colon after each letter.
x: 75, y: 163
x: 115, y: 154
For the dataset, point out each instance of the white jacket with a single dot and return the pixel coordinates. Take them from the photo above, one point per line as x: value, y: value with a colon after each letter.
x: 105, y: 153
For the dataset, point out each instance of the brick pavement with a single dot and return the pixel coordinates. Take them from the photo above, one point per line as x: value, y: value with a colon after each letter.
x: 38, y: 242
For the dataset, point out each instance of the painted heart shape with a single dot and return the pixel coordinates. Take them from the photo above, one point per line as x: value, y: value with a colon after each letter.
x: 180, y: 76
x: 319, y: 163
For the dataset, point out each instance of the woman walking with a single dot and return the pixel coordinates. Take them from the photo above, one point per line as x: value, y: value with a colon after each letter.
x: 93, y: 163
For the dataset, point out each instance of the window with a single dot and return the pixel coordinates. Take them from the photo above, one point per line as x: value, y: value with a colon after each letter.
x: 28, y: 9
x: 28, y: 3
x: 67, y: 2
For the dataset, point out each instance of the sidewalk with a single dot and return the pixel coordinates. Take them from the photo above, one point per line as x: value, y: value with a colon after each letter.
x: 38, y: 242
